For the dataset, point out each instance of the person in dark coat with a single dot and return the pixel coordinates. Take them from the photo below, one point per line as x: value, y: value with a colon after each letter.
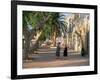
x: 65, y: 51
x: 58, y: 50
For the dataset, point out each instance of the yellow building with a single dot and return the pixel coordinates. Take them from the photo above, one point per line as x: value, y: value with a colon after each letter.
x: 81, y: 26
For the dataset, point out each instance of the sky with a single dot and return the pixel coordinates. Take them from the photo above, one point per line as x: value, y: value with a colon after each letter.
x: 68, y: 14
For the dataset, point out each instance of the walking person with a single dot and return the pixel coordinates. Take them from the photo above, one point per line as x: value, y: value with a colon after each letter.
x: 65, y: 53
x: 58, y: 50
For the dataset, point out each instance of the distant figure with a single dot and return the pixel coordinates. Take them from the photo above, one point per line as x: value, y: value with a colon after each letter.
x: 58, y: 50
x: 65, y: 51
x: 82, y: 52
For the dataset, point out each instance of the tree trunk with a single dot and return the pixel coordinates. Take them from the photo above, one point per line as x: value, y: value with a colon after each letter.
x: 36, y: 45
x: 86, y: 43
x: 27, y: 48
x: 26, y: 44
x: 54, y: 39
x: 83, y: 49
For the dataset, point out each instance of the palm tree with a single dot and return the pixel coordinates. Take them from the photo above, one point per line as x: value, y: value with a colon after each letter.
x: 33, y: 23
x: 54, y: 27
x: 46, y: 24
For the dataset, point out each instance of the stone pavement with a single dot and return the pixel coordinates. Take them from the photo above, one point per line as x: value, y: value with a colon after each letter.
x: 46, y: 58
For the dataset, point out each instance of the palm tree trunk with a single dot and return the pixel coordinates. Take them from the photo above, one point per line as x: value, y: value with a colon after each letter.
x: 54, y: 39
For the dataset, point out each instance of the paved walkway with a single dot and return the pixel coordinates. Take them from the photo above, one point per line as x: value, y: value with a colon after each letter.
x: 46, y: 58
